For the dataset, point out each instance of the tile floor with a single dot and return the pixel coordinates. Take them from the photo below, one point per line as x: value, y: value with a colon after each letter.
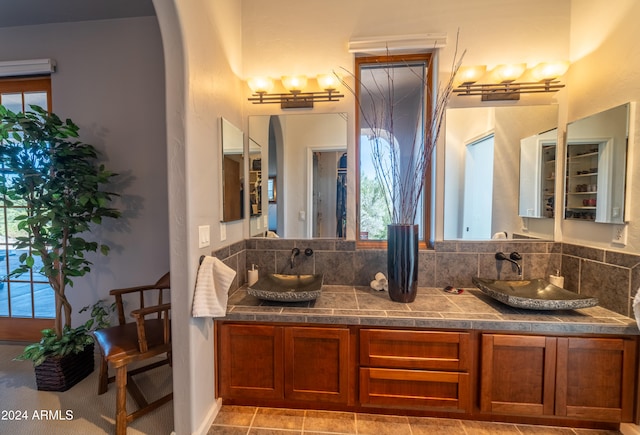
x: 248, y: 420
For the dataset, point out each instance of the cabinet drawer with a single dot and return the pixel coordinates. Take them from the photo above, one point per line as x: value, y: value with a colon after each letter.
x: 414, y: 389
x: 415, y: 349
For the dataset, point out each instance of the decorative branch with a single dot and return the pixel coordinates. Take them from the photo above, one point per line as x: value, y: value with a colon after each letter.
x: 402, y: 182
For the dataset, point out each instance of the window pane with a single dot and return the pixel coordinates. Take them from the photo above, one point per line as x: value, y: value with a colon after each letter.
x: 35, y: 98
x: 21, y: 303
x: 45, y: 304
x: 392, y: 111
x: 12, y: 102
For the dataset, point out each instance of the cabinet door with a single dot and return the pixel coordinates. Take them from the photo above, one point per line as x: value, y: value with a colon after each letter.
x: 415, y: 349
x: 518, y: 374
x: 446, y: 391
x: 317, y: 364
x: 596, y: 378
x: 251, y: 361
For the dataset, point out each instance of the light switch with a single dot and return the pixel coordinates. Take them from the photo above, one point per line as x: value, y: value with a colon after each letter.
x: 203, y: 236
x: 302, y: 215
x: 223, y: 232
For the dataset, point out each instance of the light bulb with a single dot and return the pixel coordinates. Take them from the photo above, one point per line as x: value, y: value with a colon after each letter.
x: 260, y: 85
x: 328, y: 81
x: 294, y: 83
x: 470, y: 74
x: 508, y: 72
x: 549, y: 70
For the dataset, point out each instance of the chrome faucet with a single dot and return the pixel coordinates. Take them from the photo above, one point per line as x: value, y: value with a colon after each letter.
x: 514, y: 257
x: 294, y: 253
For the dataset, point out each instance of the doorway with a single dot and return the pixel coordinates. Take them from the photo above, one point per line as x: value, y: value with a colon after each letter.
x: 478, y: 189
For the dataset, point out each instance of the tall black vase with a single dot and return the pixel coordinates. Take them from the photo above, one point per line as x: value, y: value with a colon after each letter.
x: 402, y: 262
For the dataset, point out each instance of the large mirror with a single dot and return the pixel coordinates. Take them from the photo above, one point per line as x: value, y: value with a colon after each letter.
x: 482, y: 176
x: 596, y: 161
x: 232, y: 171
x: 304, y: 162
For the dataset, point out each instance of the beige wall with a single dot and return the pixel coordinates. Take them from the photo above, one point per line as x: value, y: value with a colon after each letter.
x: 605, y: 73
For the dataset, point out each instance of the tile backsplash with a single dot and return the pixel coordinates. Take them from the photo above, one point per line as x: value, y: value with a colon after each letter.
x: 612, y: 277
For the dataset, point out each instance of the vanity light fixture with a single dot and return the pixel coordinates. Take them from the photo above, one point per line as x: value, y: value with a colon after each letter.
x: 294, y: 98
x: 501, y: 82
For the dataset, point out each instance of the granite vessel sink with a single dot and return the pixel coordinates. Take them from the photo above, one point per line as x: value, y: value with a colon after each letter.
x: 287, y: 288
x: 533, y: 294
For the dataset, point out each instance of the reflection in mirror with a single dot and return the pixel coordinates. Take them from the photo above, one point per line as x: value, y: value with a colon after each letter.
x: 329, y: 209
x: 255, y: 179
x: 596, y: 166
x: 290, y: 143
x: 468, y: 134
x: 232, y: 171
x: 537, y: 175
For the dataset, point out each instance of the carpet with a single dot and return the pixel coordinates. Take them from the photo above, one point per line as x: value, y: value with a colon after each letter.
x: 25, y: 410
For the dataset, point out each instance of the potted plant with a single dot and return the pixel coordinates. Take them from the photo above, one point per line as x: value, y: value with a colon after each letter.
x: 60, y: 184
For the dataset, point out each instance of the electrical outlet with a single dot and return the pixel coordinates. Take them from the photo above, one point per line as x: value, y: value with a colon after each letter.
x: 203, y: 236
x: 619, y: 236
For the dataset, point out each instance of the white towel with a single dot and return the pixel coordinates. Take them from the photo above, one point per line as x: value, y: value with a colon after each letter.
x: 636, y: 307
x: 212, y: 288
x: 500, y: 235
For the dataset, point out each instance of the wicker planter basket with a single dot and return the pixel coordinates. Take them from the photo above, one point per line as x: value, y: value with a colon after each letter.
x: 62, y: 373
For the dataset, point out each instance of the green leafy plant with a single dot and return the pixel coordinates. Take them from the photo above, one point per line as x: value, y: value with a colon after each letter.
x: 59, y: 184
x: 73, y: 340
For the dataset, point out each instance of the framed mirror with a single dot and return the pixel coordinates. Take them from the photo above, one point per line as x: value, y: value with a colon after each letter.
x: 596, y: 163
x: 232, y: 171
x: 483, y: 144
x: 302, y: 185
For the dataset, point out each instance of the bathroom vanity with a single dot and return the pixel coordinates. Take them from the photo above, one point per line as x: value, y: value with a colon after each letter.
x: 460, y: 356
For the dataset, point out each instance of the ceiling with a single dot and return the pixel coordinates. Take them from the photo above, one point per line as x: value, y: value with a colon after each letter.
x: 33, y: 12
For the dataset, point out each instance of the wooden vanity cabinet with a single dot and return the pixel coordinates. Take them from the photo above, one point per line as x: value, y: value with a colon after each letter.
x: 573, y: 377
x: 250, y: 361
x: 415, y: 369
x: 258, y: 361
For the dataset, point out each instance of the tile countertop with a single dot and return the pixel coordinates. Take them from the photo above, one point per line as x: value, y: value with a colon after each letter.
x: 433, y: 308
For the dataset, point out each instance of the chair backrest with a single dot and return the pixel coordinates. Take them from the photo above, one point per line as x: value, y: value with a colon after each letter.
x: 160, y: 285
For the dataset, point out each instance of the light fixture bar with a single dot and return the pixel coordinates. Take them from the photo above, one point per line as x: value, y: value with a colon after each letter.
x: 295, y: 100
x: 506, y: 90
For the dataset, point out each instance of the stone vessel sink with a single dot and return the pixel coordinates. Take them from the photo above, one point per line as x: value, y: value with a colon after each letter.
x: 287, y: 288
x: 533, y: 294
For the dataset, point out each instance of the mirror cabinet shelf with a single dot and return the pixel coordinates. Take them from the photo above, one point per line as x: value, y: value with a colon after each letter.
x: 549, y: 179
x: 582, y: 181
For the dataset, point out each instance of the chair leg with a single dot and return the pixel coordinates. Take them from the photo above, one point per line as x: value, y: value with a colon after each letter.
x: 103, y: 380
x: 121, y: 400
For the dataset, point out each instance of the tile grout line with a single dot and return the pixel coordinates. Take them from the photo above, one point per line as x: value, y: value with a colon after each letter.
x: 255, y: 412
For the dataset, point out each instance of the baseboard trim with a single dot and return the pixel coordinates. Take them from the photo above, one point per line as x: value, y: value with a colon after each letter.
x: 204, y: 427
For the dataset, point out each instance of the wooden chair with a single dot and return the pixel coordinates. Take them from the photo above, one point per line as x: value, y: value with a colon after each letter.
x: 132, y: 342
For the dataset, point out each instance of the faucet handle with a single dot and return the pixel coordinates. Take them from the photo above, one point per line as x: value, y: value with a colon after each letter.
x: 515, y: 256
x: 308, y: 252
x: 500, y: 256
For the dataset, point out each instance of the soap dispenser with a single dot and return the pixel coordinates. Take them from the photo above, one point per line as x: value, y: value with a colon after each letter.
x: 557, y: 279
x: 252, y: 275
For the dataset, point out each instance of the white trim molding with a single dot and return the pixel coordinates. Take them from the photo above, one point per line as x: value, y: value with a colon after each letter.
x: 398, y: 43
x: 27, y: 67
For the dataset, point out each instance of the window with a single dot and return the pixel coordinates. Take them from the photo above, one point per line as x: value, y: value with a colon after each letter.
x: 21, y: 297
x: 392, y: 95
